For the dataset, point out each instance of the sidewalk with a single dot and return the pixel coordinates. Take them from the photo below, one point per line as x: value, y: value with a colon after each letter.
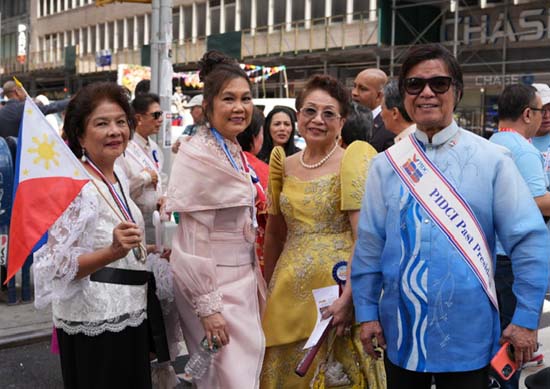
x: 544, y: 338
x: 23, y: 323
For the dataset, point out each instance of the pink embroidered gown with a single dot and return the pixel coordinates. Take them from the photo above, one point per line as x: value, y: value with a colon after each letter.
x: 213, y: 259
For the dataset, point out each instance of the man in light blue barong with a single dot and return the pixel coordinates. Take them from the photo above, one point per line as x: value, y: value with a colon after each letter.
x: 423, y: 269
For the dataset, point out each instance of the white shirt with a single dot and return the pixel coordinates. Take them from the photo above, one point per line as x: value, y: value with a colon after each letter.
x: 376, y: 111
x: 82, y: 305
x: 141, y: 154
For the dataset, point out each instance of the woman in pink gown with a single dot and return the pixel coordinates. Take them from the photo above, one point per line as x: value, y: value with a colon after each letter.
x: 218, y: 286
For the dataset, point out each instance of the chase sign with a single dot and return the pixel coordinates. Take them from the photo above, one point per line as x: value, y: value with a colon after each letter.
x: 487, y: 26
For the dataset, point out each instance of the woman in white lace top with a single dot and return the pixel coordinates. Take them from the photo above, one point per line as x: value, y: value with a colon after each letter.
x: 91, y: 268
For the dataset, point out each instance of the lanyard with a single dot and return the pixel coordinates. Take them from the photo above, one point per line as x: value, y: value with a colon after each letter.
x: 121, y: 202
x: 246, y: 166
x: 225, y: 149
x: 507, y: 129
x: 248, y: 170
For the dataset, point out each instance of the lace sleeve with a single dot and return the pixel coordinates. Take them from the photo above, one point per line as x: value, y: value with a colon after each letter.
x: 56, y: 263
x: 208, y: 304
x: 162, y: 271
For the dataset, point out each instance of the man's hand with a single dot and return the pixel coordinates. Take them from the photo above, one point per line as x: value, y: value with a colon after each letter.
x: 524, y: 341
x: 370, y: 330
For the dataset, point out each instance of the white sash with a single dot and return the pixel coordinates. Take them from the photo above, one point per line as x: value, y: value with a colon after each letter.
x: 140, y: 156
x: 446, y: 207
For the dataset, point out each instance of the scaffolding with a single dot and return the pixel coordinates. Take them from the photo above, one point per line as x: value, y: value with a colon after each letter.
x: 468, y: 56
x: 477, y: 56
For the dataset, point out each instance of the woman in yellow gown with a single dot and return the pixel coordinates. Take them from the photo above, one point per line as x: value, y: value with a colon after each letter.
x: 314, y: 198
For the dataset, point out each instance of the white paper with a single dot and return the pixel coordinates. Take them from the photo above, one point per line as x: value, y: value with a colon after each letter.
x: 324, y: 297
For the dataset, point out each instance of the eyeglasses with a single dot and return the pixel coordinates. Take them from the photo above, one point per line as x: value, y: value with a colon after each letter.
x: 544, y: 110
x: 438, y: 85
x: 156, y: 115
x: 327, y: 116
x: 541, y: 110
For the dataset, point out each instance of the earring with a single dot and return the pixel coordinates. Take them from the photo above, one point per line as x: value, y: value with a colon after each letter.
x: 83, y: 157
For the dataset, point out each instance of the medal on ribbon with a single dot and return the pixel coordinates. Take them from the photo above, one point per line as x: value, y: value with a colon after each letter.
x: 340, y: 273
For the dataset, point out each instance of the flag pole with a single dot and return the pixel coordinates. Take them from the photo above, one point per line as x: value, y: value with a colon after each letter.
x: 141, y: 245
x: 20, y: 85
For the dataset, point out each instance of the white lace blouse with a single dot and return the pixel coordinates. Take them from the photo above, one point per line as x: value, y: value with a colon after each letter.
x: 85, y: 306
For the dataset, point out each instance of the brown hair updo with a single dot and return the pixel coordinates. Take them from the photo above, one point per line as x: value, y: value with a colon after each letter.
x: 216, y: 70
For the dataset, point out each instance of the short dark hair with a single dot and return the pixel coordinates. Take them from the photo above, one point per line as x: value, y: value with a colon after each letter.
x: 143, y: 101
x: 330, y: 85
x: 514, y: 99
x: 9, y: 88
x: 394, y: 99
x: 358, y: 123
x: 85, y: 102
x: 427, y: 52
x: 289, y: 147
x: 216, y: 70
x: 142, y: 87
x: 246, y: 138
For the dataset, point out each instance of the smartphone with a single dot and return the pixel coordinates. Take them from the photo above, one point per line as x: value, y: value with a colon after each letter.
x: 504, y: 361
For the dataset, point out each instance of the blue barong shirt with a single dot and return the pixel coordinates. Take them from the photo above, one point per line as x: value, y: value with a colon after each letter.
x: 405, y: 273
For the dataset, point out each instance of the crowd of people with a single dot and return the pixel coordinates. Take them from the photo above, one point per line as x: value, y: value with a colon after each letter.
x: 443, y: 233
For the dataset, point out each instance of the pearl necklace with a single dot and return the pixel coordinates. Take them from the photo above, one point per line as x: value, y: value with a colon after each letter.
x: 322, y: 161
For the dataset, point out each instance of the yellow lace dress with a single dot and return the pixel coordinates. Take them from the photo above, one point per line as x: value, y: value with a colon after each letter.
x: 319, y: 235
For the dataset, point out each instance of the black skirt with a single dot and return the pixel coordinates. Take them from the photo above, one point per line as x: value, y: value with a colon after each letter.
x: 109, y: 360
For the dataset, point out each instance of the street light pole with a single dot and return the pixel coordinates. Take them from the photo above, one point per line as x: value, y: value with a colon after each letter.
x: 163, y: 74
x: 155, y: 32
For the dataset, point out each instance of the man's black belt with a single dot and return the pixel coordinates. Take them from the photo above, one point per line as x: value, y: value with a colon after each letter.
x: 111, y: 275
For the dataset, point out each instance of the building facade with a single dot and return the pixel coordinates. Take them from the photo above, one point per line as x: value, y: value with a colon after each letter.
x: 496, y: 41
x: 67, y: 36
x: 14, y: 22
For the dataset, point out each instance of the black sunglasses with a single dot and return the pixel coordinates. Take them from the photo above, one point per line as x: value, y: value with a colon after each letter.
x: 156, y: 114
x: 438, y: 85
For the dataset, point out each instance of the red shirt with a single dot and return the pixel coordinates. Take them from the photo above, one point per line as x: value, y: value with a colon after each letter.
x: 262, y: 172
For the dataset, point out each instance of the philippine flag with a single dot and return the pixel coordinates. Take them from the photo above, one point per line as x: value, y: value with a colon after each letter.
x: 47, y: 177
